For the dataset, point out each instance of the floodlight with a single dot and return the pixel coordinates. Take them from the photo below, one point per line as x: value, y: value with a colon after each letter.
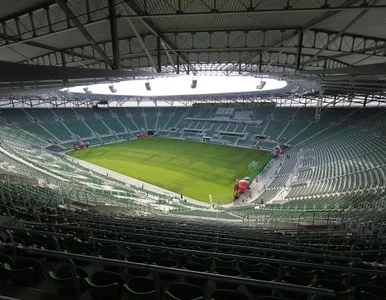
x: 261, y: 85
x: 86, y: 90
x: 194, y: 84
x: 112, y: 88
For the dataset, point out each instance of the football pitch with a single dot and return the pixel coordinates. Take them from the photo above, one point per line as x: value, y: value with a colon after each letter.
x: 190, y: 168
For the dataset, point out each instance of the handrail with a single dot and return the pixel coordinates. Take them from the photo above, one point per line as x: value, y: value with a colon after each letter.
x: 227, y: 239
x: 265, y: 238
x: 298, y: 241
x: 316, y: 211
x: 306, y: 254
x: 293, y: 246
x: 184, y: 272
x: 151, y: 222
x: 131, y: 223
x: 250, y: 258
x: 141, y: 228
x: 172, y: 224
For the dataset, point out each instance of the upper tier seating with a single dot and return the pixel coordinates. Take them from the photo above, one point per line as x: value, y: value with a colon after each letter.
x: 290, y: 125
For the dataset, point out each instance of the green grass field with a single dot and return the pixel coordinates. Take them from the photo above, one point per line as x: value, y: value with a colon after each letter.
x: 189, y: 168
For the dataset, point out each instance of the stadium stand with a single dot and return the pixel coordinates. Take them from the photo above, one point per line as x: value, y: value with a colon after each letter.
x: 54, y: 251
x: 69, y: 231
x: 59, y: 126
x: 335, y: 165
x: 302, y: 84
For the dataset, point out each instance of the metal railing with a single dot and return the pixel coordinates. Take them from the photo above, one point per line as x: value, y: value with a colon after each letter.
x: 184, y: 272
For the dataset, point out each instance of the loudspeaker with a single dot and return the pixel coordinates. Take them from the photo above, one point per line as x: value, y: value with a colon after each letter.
x: 147, y: 85
x: 112, y: 88
x: 261, y: 85
x: 194, y: 84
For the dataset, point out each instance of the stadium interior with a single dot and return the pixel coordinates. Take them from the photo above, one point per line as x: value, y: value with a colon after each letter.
x: 81, y: 75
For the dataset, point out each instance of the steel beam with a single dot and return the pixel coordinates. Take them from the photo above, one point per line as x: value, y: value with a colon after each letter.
x: 114, y: 34
x: 70, y: 15
x: 230, y: 67
x: 217, y: 12
x: 256, y: 12
x: 348, y: 89
x: 31, y: 19
x: 246, y: 32
x: 159, y: 64
x: 356, y: 82
x: 299, y: 50
x: 378, y: 48
x: 371, y: 69
x: 341, y: 32
x: 30, y: 9
x: 63, y: 58
x: 22, y: 55
x: 88, y: 11
x: 231, y: 49
x: 46, y: 47
x: 67, y: 29
x: 132, y: 7
x: 307, y: 26
x: 13, y: 72
x: 169, y: 57
x: 93, y: 22
x: 142, y: 43
x: 348, y: 34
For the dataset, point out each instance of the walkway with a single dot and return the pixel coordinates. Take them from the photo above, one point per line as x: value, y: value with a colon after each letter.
x: 264, y: 180
x: 20, y: 160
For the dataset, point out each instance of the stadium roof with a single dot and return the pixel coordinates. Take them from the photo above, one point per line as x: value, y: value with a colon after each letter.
x: 339, y: 45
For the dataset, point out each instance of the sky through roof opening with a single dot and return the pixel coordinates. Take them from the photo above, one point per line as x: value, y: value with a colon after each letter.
x: 174, y: 86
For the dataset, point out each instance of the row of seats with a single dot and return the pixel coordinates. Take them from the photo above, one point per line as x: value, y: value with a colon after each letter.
x: 335, y: 168
x: 112, y: 124
x: 164, y: 253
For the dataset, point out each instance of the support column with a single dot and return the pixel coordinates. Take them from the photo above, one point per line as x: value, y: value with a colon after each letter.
x: 365, y: 101
x: 114, y: 34
x: 159, y: 64
x: 318, y: 111
x: 299, y: 50
x: 63, y: 57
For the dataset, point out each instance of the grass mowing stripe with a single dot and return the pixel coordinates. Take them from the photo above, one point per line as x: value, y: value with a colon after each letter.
x: 189, y: 168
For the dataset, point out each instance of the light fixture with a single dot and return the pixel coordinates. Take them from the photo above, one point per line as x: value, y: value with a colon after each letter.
x: 261, y: 85
x: 87, y: 91
x: 112, y: 88
x: 194, y: 84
